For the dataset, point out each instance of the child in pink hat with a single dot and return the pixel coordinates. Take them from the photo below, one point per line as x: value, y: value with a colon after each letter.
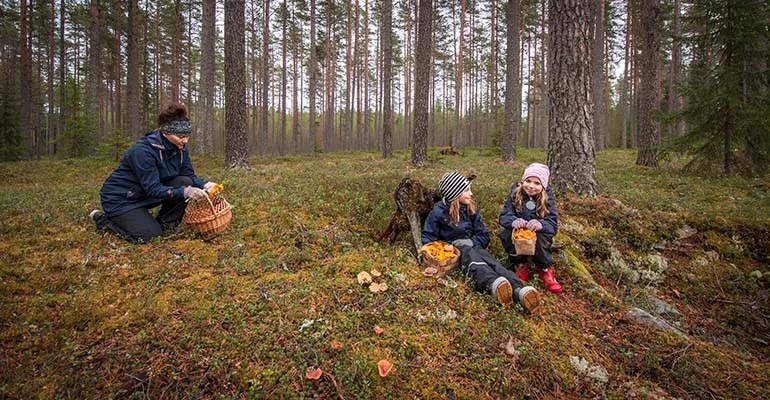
x: 530, y: 204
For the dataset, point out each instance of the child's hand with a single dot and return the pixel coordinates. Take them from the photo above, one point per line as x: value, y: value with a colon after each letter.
x: 518, y: 223
x: 463, y: 242
x: 534, y: 225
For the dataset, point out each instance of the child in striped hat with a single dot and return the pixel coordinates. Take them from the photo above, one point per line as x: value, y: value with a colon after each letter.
x: 456, y: 219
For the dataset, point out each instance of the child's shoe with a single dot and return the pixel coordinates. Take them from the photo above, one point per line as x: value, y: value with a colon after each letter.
x: 502, y: 291
x: 546, y: 275
x: 529, y: 299
x: 522, y: 272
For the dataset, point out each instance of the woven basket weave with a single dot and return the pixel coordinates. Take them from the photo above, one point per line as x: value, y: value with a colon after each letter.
x: 210, y: 217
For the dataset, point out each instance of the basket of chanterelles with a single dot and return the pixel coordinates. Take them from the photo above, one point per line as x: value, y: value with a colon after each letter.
x: 209, y: 216
x: 439, y: 258
x: 524, y: 241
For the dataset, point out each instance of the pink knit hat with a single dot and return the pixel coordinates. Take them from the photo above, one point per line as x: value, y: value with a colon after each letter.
x: 539, y: 171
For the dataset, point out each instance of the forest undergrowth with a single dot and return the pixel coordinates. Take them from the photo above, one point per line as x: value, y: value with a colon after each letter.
x: 249, y: 313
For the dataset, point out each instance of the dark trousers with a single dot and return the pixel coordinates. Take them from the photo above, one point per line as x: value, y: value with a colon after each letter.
x: 139, y: 225
x: 483, y: 268
x: 543, y: 257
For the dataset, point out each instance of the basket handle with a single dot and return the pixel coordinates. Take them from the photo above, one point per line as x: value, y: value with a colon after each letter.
x: 211, y: 204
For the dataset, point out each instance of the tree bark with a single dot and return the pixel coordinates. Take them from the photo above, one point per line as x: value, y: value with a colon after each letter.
x: 177, y: 52
x: 25, y: 74
x: 512, y: 81
x: 387, y: 75
x: 132, y: 71
x: 673, y: 76
x: 312, y: 132
x: 284, y: 67
x: 263, y: 134
x: 236, y: 143
x: 94, y: 67
x: 649, y: 47
x: 51, y: 124
x: 597, y: 75
x: 208, y: 73
x: 422, y: 83
x: 571, y: 141
x: 347, y: 120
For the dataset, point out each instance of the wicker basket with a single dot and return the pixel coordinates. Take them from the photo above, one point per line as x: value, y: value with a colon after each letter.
x: 210, y: 217
x: 443, y: 267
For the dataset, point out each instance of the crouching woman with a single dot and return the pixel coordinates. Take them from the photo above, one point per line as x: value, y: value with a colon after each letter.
x: 155, y: 172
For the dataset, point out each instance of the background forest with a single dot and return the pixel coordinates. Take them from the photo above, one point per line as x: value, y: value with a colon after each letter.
x: 82, y: 78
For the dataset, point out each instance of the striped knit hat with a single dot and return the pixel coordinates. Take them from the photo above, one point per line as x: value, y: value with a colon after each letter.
x: 452, y: 185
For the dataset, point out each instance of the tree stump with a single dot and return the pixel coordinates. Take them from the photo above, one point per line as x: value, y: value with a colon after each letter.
x: 413, y: 204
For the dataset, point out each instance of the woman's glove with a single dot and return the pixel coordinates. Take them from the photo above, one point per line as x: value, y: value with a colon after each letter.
x: 192, y: 192
x: 462, y: 242
x: 518, y: 223
x: 209, y: 185
x: 534, y: 225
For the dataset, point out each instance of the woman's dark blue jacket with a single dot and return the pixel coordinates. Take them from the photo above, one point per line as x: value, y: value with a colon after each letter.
x: 438, y: 227
x: 139, y: 180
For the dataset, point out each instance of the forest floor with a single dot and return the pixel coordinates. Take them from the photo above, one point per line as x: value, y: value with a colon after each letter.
x: 85, y: 315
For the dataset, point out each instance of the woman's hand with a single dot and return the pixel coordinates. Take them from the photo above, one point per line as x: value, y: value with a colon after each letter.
x: 192, y: 192
x: 209, y: 185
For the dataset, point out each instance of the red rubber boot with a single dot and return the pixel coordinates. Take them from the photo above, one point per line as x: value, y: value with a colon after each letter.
x: 546, y: 275
x: 522, y: 272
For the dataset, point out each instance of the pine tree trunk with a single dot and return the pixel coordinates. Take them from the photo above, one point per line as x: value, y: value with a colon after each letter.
x: 263, y: 134
x: 284, y: 67
x: 62, y: 75
x: 177, y: 52
x: 571, y: 144
x: 597, y: 75
x: 329, y: 81
x: 493, y: 67
x: 367, y: 115
x: 132, y: 71
x: 422, y: 83
x: 408, y: 68
x: 347, y: 120
x: 312, y: 132
x: 626, y: 81
x: 208, y: 73
x: 94, y: 67
x: 541, y: 138
x: 25, y: 74
x: 295, y: 113
x: 117, y: 98
x: 387, y: 75
x: 673, y: 76
x: 648, y: 34
x: 512, y: 81
x: 51, y: 127
x: 236, y: 143
x: 459, y: 79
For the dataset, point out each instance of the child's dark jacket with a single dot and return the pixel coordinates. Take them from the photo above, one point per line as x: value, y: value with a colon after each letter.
x: 438, y: 227
x: 508, y: 214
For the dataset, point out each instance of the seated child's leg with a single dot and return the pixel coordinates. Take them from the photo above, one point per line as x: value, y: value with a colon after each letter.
x: 543, y: 257
x: 475, y: 267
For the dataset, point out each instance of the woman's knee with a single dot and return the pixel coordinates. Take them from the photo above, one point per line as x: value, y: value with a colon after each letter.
x: 180, y: 180
x: 148, y: 233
